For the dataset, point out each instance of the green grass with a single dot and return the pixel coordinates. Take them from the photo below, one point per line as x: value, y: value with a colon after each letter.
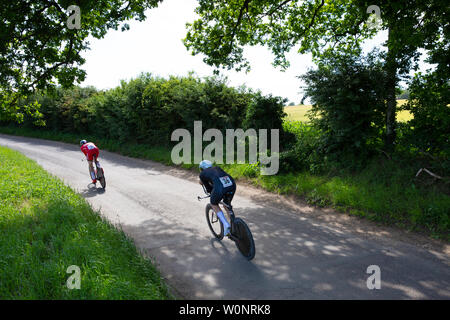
x: 299, y: 112
x: 381, y: 193
x: 45, y: 228
x: 384, y: 191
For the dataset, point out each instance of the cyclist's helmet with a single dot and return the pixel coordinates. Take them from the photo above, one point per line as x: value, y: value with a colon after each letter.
x: 82, y: 142
x: 205, y: 164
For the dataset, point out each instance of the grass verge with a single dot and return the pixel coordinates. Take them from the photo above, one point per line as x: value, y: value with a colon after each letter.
x: 46, y: 227
x: 384, y: 192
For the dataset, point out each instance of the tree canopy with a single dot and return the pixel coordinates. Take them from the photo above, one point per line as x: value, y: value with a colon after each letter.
x: 38, y: 49
x: 323, y: 28
x: 317, y: 26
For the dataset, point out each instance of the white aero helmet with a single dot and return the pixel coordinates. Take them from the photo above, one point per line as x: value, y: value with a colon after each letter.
x: 205, y: 164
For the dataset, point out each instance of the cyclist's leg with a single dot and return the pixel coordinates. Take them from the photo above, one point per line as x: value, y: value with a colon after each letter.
x: 216, y: 196
x: 228, y: 196
x: 96, y: 153
x: 91, y: 170
x: 90, y: 160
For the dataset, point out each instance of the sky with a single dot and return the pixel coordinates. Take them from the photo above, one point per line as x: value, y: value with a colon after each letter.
x: 155, y: 46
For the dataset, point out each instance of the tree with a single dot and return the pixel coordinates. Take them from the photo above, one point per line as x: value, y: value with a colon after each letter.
x: 38, y: 49
x: 265, y: 112
x: 429, y: 130
x: 224, y: 28
x: 347, y: 95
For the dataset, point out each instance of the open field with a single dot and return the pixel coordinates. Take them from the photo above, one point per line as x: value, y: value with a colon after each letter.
x: 298, y: 113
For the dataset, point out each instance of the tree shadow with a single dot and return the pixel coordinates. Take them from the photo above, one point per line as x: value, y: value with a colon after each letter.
x: 295, y: 259
x: 298, y: 255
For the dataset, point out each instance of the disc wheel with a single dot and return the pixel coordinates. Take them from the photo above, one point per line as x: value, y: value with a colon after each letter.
x: 101, y: 178
x: 244, y: 242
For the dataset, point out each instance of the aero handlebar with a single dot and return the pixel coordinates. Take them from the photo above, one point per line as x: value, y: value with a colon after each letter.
x: 206, y: 192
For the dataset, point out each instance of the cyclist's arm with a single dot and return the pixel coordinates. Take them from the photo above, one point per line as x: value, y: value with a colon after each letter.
x: 205, y: 182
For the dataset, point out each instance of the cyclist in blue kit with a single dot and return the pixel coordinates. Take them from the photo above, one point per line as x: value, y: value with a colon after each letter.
x: 220, y: 185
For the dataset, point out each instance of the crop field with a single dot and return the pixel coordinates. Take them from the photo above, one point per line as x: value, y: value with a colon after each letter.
x: 299, y: 112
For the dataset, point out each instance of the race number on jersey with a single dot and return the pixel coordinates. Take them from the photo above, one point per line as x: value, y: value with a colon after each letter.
x: 226, y: 181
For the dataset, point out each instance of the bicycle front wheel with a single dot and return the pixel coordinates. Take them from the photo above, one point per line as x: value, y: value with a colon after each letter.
x: 244, y: 239
x: 214, y: 223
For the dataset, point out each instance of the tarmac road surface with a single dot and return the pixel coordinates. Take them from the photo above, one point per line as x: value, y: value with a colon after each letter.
x: 301, y: 252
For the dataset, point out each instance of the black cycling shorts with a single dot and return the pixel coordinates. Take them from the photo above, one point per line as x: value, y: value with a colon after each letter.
x: 226, y: 194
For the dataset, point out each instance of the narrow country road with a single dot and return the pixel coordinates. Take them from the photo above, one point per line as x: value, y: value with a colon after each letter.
x: 301, y: 252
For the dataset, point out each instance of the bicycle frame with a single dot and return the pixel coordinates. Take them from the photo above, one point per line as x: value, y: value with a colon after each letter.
x: 229, y: 210
x: 98, y: 171
x: 98, y: 168
x: 239, y: 233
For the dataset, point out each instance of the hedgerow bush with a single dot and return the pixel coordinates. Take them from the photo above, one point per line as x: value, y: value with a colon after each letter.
x: 348, y: 108
x: 303, y: 153
x: 148, y: 109
x: 428, y: 133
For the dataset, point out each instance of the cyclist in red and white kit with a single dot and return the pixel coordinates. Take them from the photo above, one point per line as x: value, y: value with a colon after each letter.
x: 91, y: 152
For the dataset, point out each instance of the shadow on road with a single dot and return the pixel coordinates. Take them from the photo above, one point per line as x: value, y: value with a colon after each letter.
x: 295, y: 259
x: 298, y: 256
x: 91, y: 191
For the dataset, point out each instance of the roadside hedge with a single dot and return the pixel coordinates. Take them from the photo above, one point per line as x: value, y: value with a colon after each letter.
x: 148, y: 109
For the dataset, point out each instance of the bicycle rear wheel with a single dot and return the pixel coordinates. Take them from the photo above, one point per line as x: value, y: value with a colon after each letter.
x: 214, y: 223
x: 101, y: 177
x: 244, y: 239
